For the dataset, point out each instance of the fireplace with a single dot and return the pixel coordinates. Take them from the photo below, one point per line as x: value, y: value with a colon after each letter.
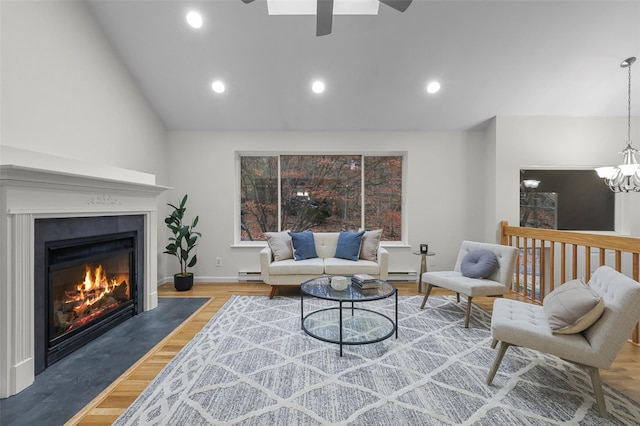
x: 52, y: 204
x: 88, y: 280
x: 89, y: 286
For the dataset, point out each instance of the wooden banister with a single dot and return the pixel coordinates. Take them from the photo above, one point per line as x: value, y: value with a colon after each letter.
x: 538, y: 273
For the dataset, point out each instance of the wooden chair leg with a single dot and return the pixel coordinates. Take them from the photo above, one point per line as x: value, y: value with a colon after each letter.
x: 426, y: 295
x: 466, y: 321
x: 597, y: 389
x: 274, y: 288
x: 496, y: 363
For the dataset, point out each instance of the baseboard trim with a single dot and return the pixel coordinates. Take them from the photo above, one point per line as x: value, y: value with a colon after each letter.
x: 233, y: 279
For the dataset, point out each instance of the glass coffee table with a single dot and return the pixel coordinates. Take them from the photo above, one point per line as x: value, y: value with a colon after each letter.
x: 346, y: 323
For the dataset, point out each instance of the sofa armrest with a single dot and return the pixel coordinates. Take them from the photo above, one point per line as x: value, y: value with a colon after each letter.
x: 265, y: 261
x: 383, y: 261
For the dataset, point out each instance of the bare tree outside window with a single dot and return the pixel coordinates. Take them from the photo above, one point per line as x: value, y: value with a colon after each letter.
x: 321, y: 192
x: 383, y: 195
x: 324, y: 193
x: 258, y: 196
x: 538, y: 209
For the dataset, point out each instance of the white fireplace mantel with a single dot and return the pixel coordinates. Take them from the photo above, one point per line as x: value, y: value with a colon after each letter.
x: 28, y: 194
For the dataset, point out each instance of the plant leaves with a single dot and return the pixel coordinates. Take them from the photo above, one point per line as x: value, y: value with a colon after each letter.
x: 184, y: 239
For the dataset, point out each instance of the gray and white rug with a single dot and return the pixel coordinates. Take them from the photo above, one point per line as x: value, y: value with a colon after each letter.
x: 253, y: 365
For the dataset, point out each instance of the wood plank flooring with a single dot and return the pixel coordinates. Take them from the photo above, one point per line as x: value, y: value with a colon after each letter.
x: 624, y: 374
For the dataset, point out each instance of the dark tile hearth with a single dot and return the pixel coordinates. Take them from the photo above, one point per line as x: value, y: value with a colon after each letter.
x: 66, y: 387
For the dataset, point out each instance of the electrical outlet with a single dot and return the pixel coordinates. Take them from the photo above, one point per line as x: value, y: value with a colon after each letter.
x: 218, y: 261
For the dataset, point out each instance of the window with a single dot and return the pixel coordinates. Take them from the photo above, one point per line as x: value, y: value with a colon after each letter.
x: 575, y: 200
x: 325, y: 193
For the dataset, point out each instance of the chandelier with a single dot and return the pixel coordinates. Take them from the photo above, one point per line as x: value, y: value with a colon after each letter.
x: 626, y: 176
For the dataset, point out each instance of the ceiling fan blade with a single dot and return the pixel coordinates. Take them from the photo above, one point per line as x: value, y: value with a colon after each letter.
x: 399, y: 5
x: 324, y: 17
x: 247, y: 1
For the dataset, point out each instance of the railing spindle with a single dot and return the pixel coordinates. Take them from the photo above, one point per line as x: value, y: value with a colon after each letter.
x: 587, y: 264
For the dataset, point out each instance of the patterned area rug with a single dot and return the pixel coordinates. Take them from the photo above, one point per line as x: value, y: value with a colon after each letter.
x: 253, y: 365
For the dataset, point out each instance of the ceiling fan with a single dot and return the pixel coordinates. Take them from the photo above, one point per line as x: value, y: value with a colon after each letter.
x: 324, y: 12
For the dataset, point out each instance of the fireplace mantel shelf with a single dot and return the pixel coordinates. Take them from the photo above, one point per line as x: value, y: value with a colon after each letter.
x: 22, y: 175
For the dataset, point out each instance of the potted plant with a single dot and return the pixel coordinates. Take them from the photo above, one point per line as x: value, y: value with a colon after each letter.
x: 184, y: 239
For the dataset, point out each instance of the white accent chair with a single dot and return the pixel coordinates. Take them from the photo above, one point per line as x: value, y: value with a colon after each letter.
x: 497, y: 284
x: 515, y: 323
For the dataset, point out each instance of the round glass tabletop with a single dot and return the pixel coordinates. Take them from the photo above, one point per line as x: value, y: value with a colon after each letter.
x: 321, y: 288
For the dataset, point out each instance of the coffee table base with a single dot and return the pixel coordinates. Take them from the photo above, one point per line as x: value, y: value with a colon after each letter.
x: 347, y: 324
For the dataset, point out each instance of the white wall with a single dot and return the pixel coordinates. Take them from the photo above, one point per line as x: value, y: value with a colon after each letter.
x: 65, y: 92
x: 443, y: 178
x: 559, y: 142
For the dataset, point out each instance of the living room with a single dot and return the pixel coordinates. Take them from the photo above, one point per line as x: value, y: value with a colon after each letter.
x: 69, y: 101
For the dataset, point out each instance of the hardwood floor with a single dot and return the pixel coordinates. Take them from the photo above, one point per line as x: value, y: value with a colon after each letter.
x: 624, y: 374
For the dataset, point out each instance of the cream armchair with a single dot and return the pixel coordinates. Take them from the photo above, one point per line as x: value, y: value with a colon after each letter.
x: 515, y: 323
x: 497, y: 284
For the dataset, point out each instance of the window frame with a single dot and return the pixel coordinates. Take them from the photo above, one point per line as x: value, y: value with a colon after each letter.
x: 238, y: 197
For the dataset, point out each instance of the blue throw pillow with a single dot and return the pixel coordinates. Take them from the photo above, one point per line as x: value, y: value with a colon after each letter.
x: 481, y: 263
x: 304, y: 246
x: 349, y: 245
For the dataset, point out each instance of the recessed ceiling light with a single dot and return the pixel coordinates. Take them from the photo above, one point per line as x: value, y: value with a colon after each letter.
x: 433, y: 87
x: 194, y: 19
x: 217, y: 86
x: 317, y: 87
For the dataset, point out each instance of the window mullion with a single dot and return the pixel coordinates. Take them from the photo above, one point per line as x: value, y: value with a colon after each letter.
x: 279, y: 194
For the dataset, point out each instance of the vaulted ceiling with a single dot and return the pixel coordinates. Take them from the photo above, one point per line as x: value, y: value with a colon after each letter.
x: 524, y: 58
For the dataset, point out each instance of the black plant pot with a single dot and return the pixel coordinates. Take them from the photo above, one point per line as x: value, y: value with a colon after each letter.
x: 183, y: 282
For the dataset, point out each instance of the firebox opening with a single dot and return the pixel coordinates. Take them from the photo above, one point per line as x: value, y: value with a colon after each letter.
x: 90, y: 290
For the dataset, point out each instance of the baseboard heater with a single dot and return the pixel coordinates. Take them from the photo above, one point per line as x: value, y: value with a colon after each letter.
x: 248, y: 276
x: 411, y: 276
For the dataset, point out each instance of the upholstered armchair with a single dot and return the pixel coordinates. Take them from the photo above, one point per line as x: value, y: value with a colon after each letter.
x: 479, y: 281
x: 515, y: 323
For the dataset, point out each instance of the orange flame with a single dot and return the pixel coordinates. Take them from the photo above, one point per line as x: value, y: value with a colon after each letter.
x: 92, y: 289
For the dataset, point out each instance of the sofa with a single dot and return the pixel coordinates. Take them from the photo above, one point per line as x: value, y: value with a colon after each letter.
x: 282, y: 265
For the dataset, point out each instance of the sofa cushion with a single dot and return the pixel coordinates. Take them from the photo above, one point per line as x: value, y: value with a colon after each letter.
x: 480, y: 263
x: 280, y: 245
x: 370, y: 243
x: 313, y: 266
x: 303, y: 245
x: 572, y: 307
x: 326, y: 243
x: 349, y: 245
x: 336, y: 266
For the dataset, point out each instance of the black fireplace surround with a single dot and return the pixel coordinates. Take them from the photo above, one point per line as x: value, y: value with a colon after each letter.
x: 63, y: 248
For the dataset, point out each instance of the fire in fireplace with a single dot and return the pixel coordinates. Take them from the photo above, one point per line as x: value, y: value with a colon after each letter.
x: 90, y: 291
x: 99, y: 292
